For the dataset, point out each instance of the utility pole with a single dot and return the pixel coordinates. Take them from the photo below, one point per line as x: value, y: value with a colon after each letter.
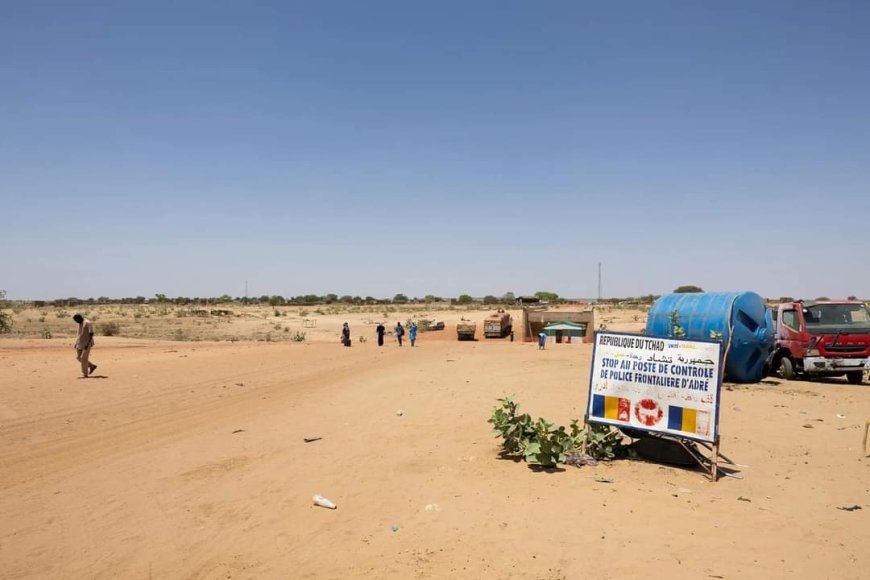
x: 599, y: 281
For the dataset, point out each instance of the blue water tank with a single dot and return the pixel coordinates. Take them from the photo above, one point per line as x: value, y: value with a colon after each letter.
x: 740, y: 316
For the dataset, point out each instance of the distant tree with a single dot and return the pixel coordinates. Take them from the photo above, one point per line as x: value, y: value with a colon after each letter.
x: 276, y: 300
x: 508, y: 298
x: 346, y: 299
x: 852, y: 298
x: 822, y: 298
x: 5, y: 317
x: 465, y: 299
x: 687, y: 289
x: 330, y: 298
x: 490, y: 299
x: 400, y: 299
x: 104, y: 300
x: 432, y: 298
x: 547, y: 296
x: 371, y: 299
x: 224, y: 298
x: 786, y: 299
x: 160, y: 298
x: 140, y: 300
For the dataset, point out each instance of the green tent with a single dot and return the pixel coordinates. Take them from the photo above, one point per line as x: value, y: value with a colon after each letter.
x: 566, y: 328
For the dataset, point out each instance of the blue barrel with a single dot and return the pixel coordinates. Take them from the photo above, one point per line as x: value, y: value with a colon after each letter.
x: 741, y: 317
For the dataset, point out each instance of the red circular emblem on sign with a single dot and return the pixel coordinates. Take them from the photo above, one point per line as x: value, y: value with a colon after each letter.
x: 648, y: 412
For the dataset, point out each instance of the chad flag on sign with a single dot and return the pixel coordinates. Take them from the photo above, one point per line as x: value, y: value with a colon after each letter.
x: 688, y: 420
x: 615, y: 408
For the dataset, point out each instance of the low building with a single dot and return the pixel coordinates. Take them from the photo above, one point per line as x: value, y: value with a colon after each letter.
x: 534, y: 321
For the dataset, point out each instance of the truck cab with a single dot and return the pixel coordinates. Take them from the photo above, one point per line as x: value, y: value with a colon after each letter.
x: 822, y: 339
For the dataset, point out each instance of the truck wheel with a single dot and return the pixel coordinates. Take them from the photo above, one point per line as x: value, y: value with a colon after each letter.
x: 855, y: 377
x: 786, y: 368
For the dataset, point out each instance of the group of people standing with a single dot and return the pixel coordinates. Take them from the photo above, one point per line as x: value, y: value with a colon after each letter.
x: 398, y: 332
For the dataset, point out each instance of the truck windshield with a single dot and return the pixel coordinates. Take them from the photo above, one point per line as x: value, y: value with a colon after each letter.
x: 845, y: 316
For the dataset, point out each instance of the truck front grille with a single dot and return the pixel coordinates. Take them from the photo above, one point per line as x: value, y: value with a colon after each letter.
x: 846, y: 348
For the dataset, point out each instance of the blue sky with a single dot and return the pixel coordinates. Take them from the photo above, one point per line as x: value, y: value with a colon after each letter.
x: 372, y: 148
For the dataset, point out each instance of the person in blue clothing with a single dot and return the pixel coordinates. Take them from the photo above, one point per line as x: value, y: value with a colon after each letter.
x: 412, y: 332
x: 542, y: 340
x: 400, y: 332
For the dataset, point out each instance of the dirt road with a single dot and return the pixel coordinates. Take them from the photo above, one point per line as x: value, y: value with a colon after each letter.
x: 187, y: 460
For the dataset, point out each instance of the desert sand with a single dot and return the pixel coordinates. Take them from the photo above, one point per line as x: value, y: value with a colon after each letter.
x: 187, y: 460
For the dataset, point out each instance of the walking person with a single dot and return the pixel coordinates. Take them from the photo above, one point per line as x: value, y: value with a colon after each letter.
x: 84, y: 342
x: 380, y: 330
x: 345, y: 335
x: 412, y: 332
x: 400, y: 332
x: 542, y: 340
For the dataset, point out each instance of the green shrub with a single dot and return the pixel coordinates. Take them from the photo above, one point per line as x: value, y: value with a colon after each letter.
x: 541, y: 442
x: 605, y: 443
x: 298, y: 337
x: 109, y: 328
x: 5, y: 317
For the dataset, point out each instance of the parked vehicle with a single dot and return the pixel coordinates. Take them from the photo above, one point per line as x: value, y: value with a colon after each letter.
x: 465, y: 330
x: 436, y: 325
x: 822, y: 339
x: 497, y: 325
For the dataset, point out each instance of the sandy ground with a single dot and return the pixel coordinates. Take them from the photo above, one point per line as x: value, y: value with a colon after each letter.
x: 187, y: 460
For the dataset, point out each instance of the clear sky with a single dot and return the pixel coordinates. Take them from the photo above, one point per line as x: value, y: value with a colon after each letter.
x: 371, y: 148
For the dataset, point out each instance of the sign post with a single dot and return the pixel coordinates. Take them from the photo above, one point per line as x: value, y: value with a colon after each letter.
x: 667, y: 387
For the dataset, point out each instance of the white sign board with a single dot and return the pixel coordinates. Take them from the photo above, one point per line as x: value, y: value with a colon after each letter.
x: 666, y: 385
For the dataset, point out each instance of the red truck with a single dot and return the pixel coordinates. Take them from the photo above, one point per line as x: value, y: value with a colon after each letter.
x: 827, y: 338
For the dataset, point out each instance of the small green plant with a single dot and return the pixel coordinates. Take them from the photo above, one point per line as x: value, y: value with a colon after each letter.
x: 61, y: 314
x: 298, y: 336
x: 605, y: 443
x: 676, y: 328
x: 277, y: 312
x: 541, y: 442
x: 46, y: 334
x: 109, y: 328
x: 41, y: 318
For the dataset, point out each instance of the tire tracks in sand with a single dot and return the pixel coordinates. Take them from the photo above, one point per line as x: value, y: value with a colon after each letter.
x: 74, y: 439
